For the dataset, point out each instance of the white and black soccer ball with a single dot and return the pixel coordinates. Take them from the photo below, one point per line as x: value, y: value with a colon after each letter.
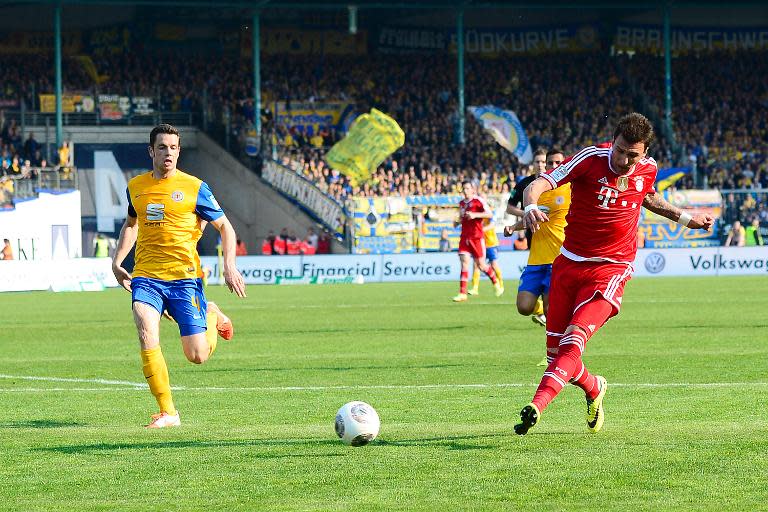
x: 357, y: 423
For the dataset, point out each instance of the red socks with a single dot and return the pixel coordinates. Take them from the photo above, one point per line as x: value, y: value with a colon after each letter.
x: 463, y: 282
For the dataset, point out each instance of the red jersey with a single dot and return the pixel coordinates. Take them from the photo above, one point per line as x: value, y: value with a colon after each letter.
x: 605, y: 207
x: 472, y: 228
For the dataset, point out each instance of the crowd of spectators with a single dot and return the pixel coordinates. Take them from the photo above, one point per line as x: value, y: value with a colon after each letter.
x: 287, y: 242
x: 720, y: 113
x: 568, y: 100
x: 430, y: 161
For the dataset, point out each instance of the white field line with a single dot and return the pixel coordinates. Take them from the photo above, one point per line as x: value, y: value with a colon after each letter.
x: 119, y: 385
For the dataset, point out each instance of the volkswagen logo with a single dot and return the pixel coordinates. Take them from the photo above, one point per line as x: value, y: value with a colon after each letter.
x: 654, y: 262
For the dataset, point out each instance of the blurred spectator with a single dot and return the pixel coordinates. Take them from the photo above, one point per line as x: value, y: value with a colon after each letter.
x: 102, y: 245
x: 324, y: 243
x: 736, y: 236
x: 307, y: 247
x: 279, y: 245
x: 445, y: 243
x: 64, y: 157
x: 312, y: 237
x: 240, y: 248
x: 520, y: 243
x: 292, y: 244
x: 31, y: 146
x: 7, y: 252
x: 752, y: 233
x: 267, y: 246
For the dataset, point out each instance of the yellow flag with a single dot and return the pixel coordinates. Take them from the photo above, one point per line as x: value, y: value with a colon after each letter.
x: 371, y: 139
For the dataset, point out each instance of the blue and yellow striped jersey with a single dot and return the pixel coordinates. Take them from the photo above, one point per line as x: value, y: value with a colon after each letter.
x: 169, y: 212
x: 547, y: 241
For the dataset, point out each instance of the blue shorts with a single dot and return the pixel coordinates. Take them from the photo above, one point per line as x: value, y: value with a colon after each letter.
x: 535, y: 279
x: 492, y: 253
x: 183, y: 298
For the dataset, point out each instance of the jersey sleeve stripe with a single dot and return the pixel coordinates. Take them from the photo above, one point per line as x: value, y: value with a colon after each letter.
x: 563, y: 170
x: 550, y: 179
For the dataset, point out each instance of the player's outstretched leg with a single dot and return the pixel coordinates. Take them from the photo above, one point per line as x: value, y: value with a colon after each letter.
x: 595, y: 409
x: 529, y: 417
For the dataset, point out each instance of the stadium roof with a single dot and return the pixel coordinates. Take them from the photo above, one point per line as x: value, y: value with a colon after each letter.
x: 414, y: 5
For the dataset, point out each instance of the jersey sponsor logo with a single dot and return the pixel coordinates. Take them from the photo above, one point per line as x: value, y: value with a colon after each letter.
x: 155, y: 211
x: 607, y: 197
x: 622, y: 183
x: 654, y: 262
x: 214, y: 202
x: 177, y: 196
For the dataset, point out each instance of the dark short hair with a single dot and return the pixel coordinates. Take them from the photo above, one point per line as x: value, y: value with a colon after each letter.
x: 6, y: 241
x: 635, y: 128
x: 163, y: 128
x: 540, y: 151
x: 555, y: 151
x: 467, y: 182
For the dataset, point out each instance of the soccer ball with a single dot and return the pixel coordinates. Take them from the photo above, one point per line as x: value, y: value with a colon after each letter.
x: 357, y: 423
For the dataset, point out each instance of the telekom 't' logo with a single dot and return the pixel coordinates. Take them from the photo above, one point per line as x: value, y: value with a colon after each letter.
x: 608, y: 197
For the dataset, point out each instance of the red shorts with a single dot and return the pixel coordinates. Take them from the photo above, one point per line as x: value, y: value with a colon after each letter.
x: 475, y: 247
x: 575, y: 283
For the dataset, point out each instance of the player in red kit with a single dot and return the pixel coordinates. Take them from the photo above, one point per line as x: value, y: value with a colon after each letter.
x: 472, y: 210
x: 610, y: 184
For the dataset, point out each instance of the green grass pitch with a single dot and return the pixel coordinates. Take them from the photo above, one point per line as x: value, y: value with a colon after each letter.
x: 686, y: 410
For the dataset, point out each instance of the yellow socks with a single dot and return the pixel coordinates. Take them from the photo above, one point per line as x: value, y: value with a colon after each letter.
x: 156, y: 373
x: 539, y: 310
x: 498, y: 276
x: 475, y: 279
x: 211, y: 334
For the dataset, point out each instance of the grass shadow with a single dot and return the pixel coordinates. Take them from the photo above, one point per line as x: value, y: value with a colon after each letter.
x: 41, y: 424
x: 328, y: 368
x: 450, y: 443
x: 185, y: 444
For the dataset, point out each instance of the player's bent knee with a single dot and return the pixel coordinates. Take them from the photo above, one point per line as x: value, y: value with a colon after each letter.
x: 197, y: 356
x: 525, y: 307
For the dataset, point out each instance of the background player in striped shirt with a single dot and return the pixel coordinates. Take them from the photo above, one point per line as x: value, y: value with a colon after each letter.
x: 167, y: 211
x: 609, y: 184
x: 472, y: 210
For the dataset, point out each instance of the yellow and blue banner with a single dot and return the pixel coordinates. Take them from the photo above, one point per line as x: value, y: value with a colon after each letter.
x: 371, y: 139
x: 309, y: 118
x: 665, y: 178
x: 506, y: 129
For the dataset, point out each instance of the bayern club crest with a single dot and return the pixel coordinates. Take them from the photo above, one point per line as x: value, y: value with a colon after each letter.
x: 639, y: 184
x: 622, y: 183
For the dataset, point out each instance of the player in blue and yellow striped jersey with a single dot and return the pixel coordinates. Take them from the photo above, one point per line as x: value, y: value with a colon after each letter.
x: 167, y: 211
x: 545, y: 246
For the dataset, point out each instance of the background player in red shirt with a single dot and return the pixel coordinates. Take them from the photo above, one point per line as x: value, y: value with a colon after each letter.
x: 472, y: 210
x: 610, y: 184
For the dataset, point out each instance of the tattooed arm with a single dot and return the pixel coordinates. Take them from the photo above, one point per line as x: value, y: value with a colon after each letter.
x: 657, y: 204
